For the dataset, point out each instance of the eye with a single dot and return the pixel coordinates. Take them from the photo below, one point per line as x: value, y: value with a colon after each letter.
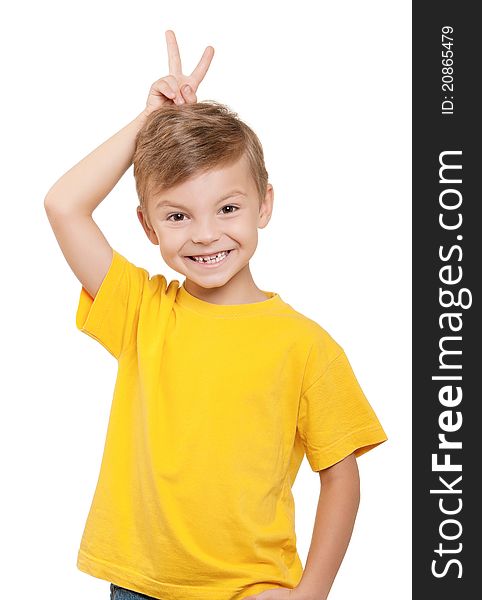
x: 174, y: 215
x: 230, y: 206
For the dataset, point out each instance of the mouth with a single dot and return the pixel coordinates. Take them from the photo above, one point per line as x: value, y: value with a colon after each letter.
x: 210, y: 260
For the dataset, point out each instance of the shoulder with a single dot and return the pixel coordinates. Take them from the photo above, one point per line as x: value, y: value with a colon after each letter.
x: 151, y: 283
x: 321, y: 347
x: 317, y: 336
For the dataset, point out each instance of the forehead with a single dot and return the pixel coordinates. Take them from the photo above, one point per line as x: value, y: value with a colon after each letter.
x: 210, y: 186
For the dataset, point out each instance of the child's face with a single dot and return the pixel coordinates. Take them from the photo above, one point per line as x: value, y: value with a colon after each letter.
x: 211, y: 212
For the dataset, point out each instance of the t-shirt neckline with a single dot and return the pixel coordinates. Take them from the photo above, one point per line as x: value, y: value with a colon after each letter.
x: 184, y: 298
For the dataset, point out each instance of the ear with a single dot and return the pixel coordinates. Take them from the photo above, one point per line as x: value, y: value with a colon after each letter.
x: 151, y: 234
x: 266, y: 207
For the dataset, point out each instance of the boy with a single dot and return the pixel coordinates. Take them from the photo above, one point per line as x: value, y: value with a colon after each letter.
x: 222, y: 387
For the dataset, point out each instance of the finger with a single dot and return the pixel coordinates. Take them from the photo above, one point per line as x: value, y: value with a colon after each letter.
x: 163, y: 86
x: 203, y: 65
x: 189, y: 94
x: 173, y: 85
x: 173, y: 55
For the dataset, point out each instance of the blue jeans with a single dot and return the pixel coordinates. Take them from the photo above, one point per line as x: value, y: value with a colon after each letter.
x: 120, y: 593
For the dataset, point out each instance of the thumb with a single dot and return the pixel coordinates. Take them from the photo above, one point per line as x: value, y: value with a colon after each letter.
x: 189, y: 94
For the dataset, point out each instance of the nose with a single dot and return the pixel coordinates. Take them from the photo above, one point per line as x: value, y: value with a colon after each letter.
x: 206, y: 231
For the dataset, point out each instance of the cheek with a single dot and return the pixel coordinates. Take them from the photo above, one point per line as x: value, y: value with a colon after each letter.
x: 245, y: 227
x: 170, y: 239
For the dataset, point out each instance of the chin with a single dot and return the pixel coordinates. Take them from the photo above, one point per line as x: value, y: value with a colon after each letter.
x: 209, y: 283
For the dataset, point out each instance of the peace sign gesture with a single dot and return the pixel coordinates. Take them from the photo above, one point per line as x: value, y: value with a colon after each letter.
x: 171, y: 89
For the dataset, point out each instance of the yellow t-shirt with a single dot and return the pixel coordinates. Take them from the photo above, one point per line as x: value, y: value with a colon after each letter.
x: 213, y: 409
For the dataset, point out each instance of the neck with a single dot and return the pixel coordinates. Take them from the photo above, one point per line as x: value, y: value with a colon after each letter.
x: 240, y: 289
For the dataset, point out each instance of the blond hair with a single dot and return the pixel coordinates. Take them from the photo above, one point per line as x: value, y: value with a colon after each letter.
x: 178, y: 141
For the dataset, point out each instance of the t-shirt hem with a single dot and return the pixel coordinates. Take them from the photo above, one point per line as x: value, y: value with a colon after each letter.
x: 357, y: 442
x: 137, y: 582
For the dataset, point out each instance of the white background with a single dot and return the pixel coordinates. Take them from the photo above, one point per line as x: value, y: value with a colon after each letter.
x: 326, y: 86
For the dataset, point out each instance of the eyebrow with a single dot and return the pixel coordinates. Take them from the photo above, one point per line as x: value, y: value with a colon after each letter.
x: 162, y: 203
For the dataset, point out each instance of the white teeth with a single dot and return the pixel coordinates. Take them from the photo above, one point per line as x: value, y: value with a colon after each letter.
x: 211, y: 259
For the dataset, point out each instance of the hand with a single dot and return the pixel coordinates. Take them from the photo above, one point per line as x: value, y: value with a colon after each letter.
x: 171, y: 89
x: 278, y: 594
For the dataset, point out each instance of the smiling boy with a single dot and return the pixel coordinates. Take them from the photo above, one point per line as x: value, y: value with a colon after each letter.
x: 222, y: 387
x: 225, y: 206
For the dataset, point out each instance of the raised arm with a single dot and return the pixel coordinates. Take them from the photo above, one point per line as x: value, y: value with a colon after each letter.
x: 72, y: 199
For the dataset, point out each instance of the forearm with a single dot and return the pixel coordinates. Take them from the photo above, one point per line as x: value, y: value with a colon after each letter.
x: 86, y: 184
x: 335, y: 518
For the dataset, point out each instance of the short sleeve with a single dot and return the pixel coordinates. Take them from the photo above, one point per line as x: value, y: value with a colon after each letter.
x: 335, y: 418
x: 111, y: 317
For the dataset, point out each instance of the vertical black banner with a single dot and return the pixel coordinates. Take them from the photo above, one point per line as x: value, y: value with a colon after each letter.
x: 447, y: 328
